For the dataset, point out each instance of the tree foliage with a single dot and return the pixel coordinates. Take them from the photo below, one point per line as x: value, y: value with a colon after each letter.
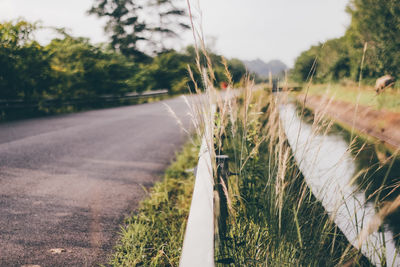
x: 24, y: 64
x: 375, y: 23
x: 125, y: 26
x: 169, y: 70
x: 73, y: 68
x: 66, y: 68
x: 84, y: 70
x: 139, y: 29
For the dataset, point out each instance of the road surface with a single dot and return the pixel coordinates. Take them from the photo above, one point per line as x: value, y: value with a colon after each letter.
x: 67, y: 182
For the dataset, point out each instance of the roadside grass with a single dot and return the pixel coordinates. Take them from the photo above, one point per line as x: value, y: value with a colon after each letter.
x: 274, y: 219
x: 265, y: 213
x: 153, y: 236
x: 365, y: 96
x: 271, y: 217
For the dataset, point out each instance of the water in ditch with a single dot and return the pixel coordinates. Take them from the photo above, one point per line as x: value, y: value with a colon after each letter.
x: 348, y: 183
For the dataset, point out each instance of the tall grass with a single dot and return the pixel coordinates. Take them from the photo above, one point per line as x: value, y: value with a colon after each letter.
x: 274, y: 219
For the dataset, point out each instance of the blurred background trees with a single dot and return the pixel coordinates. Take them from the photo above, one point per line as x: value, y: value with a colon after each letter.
x: 25, y: 70
x: 376, y: 23
x: 140, y: 30
x: 81, y: 69
x: 136, y: 59
x: 139, y: 55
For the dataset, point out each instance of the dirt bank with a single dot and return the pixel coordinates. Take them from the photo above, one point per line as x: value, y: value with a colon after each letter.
x: 381, y: 124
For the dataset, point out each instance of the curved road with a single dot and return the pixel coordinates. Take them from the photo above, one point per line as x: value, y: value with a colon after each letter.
x: 68, y: 181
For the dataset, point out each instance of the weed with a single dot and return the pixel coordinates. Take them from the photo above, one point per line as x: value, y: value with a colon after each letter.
x: 154, y: 235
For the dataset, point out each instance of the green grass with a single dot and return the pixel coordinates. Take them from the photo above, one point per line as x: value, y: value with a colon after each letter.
x: 275, y: 220
x: 154, y: 235
x: 366, y: 96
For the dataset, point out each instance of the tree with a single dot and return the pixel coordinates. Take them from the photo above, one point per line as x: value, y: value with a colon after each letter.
x: 85, y: 70
x: 237, y: 69
x: 377, y: 22
x: 134, y: 27
x: 126, y: 28
x: 24, y: 65
x: 168, y: 70
x: 305, y: 65
x: 170, y: 20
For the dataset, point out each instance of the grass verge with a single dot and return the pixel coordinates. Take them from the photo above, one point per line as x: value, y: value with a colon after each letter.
x: 274, y: 218
x: 365, y: 96
x: 154, y: 235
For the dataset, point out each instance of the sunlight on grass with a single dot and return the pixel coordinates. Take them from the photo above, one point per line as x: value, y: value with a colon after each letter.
x: 388, y: 100
x: 154, y: 235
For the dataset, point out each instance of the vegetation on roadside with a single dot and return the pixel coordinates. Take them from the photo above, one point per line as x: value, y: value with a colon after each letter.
x: 365, y: 96
x: 265, y: 213
x: 274, y: 219
x: 72, y: 69
x: 345, y: 69
x: 153, y: 236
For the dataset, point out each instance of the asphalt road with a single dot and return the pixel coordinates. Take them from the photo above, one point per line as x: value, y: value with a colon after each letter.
x: 68, y: 181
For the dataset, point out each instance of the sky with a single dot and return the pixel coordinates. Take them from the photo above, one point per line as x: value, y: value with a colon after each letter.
x: 244, y: 29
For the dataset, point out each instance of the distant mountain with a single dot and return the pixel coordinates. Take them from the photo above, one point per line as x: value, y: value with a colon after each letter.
x: 261, y: 68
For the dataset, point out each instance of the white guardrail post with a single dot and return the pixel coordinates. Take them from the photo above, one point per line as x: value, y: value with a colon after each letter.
x: 198, y: 245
